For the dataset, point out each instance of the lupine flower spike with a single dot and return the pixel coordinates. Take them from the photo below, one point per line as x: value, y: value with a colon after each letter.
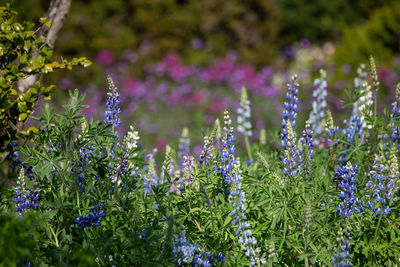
x: 191, y: 253
x: 290, y: 157
x: 184, y: 146
x: 331, y: 129
x: 319, y: 106
x: 306, y: 152
x: 25, y: 199
x: 363, y: 106
x: 244, y: 124
x: 112, y: 112
x: 289, y: 108
x: 358, y: 126
x: 342, y: 251
x: 150, y: 179
x: 244, y: 115
x: 228, y: 159
x: 395, y: 117
x: 346, y: 177
x: 245, y: 235
x: 380, y: 187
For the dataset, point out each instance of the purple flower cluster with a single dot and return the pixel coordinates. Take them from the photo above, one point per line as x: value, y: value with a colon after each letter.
x: 289, y: 108
x: 26, y: 199
x: 228, y: 150
x: 290, y: 157
x: 185, y: 252
x: 244, y: 233
x: 16, y: 163
x: 353, y: 132
x: 94, y: 218
x: 382, y: 184
x: 380, y: 189
x: 184, y: 145
x: 346, y: 176
x: 188, y: 163
x: 150, y: 179
x: 112, y: 112
x: 84, y: 160
x: 395, y: 117
x: 342, y: 256
x: 307, y: 144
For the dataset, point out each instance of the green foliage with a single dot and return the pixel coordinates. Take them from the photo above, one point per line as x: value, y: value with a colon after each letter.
x: 17, y: 239
x: 377, y: 36
x: 22, y: 54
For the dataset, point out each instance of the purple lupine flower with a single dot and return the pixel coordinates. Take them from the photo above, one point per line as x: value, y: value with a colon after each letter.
x: 239, y: 218
x: 346, y: 176
x: 150, y: 179
x: 289, y: 108
x: 342, y: 256
x: 191, y: 253
x: 94, y: 218
x: 319, y: 106
x: 17, y: 164
x: 26, y: 199
x: 112, y: 112
x: 306, y: 152
x: 188, y: 163
x: 331, y: 129
x: 290, y: 157
x: 382, y: 184
x: 362, y: 107
x: 353, y: 132
x: 395, y: 117
x: 182, y: 250
x: 228, y: 149
x: 184, y: 145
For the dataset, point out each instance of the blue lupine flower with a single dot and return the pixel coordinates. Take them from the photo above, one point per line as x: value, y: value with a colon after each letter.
x: 307, y: 144
x: 353, y: 131
x: 112, y: 112
x: 94, y: 218
x: 289, y: 108
x: 362, y: 106
x: 244, y: 234
x: 244, y: 115
x: 382, y: 184
x: 150, y: 179
x: 342, y: 252
x: 207, y: 154
x: 290, y: 157
x: 346, y: 176
x: 185, y: 252
x: 228, y: 149
x: 17, y: 164
x: 25, y: 199
x: 395, y: 117
x: 184, y: 145
x: 331, y: 129
x: 319, y: 106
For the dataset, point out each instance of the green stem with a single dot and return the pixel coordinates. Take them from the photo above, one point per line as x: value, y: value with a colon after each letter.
x: 376, y: 230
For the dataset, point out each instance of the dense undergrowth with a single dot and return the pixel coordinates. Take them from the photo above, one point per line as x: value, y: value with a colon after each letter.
x: 76, y: 192
x: 314, y: 196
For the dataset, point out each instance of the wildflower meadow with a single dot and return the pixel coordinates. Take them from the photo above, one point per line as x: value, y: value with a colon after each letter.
x: 82, y: 189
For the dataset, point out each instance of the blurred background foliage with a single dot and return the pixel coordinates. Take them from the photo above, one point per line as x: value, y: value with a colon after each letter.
x: 257, y: 29
x: 130, y: 39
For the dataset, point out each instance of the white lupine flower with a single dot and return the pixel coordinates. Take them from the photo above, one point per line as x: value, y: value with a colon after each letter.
x: 244, y: 115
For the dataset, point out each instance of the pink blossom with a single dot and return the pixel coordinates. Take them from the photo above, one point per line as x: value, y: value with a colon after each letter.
x: 105, y: 58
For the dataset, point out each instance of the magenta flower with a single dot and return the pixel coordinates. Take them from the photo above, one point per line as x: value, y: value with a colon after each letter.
x: 105, y: 58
